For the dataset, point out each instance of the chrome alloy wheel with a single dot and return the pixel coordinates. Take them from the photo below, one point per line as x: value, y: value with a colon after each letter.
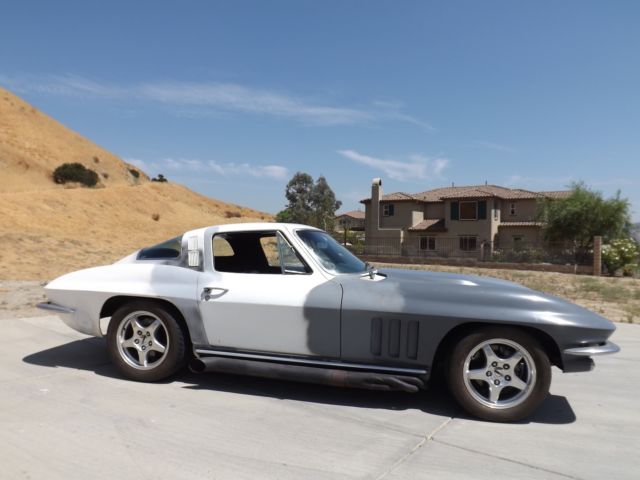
x: 143, y: 340
x: 499, y: 373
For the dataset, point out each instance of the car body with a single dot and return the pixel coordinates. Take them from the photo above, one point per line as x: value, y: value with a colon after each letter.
x: 287, y: 301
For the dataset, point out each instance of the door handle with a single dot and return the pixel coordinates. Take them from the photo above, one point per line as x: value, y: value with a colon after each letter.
x: 211, y: 293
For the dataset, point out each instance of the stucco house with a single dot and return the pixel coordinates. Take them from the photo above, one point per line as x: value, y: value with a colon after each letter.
x: 352, y: 221
x: 466, y: 221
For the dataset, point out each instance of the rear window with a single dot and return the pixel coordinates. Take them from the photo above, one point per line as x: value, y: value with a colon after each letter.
x: 169, y: 249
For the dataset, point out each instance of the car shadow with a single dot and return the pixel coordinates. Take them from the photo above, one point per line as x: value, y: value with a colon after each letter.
x: 90, y: 354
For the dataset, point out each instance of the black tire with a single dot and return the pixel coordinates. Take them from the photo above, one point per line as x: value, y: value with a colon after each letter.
x: 519, y: 386
x: 126, y: 355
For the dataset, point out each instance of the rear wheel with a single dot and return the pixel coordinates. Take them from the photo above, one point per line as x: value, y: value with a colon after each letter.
x: 145, y: 342
x: 499, y: 374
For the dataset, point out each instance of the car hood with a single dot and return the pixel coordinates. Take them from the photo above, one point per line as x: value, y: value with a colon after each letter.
x: 464, y: 297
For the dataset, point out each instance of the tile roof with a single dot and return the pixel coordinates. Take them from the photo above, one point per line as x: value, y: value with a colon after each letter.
x: 395, y: 196
x: 471, y: 191
x: 557, y: 193
x: 430, y: 224
x: 520, y: 224
x: 357, y: 214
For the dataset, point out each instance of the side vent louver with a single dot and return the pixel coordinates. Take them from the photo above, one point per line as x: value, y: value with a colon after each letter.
x: 376, y: 336
x: 395, y: 338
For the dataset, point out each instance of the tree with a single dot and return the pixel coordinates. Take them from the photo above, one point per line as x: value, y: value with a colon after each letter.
x: 584, y: 214
x: 309, y: 203
x: 160, y: 178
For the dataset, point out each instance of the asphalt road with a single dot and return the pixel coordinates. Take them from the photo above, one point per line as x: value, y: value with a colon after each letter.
x: 65, y: 413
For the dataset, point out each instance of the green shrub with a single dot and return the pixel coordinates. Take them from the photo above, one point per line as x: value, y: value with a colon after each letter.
x: 134, y: 172
x: 620, y: 253
x: 75, y: 172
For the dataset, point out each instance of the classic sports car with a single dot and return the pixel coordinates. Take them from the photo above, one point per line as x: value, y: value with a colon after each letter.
x: 287, y: 301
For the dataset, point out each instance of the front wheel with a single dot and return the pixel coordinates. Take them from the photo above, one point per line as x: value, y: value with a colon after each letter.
x: 145, y: 342
x: 499, y: 374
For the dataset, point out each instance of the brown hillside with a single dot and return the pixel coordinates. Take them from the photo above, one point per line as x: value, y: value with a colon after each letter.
x: 47, y: 230
x: 33, y: 144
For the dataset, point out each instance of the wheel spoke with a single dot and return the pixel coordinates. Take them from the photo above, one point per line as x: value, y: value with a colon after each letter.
x: 478, y: 374
x: 142, y: 357
x: 494, y: 392
x: 517, y: 383
x: 135, y: 325
x: 154, y: 326
x: 514, y: 359
x: 157, y: 346
x: 129, y: 343
x: 489, y: 354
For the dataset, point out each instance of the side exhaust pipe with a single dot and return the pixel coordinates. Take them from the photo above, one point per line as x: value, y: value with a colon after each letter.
x: 301, y: 373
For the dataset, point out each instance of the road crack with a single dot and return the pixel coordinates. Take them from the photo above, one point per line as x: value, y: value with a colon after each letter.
x: 414, y: 449
x: 498, y: 457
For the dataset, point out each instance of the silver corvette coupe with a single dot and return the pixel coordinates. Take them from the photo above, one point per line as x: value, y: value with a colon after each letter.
x: 287, y: 301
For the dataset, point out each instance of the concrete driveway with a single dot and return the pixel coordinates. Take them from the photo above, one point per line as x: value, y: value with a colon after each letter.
x: 64, y: 413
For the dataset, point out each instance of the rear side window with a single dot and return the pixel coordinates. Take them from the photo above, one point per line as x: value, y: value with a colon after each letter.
x: 169, y: 249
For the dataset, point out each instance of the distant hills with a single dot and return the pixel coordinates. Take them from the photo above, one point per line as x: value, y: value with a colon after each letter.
x: 48, y: 229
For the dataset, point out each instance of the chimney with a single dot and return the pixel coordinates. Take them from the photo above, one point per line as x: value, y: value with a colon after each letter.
x: 376, y: 195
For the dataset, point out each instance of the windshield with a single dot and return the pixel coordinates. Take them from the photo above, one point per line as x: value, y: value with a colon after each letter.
x: 331, y: 255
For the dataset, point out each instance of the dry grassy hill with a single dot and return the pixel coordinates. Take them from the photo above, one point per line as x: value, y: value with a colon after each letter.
x: 47, y: 229
x: 33, y: 144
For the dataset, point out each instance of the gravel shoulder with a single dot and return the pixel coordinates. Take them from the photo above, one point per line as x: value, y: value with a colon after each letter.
x: 18, y: 298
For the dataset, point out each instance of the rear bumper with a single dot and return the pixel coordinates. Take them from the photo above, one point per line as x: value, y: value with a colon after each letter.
x: 54, y: 307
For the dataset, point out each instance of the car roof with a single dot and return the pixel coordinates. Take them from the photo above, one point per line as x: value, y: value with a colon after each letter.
x: 240, y: 227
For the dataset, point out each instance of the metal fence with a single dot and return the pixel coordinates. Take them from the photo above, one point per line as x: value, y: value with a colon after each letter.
x: 470, y: 248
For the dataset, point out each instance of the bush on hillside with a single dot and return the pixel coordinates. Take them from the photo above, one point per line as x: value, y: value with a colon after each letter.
x: 134, y: 172
x: 159, y: 178
x: 232, y: 214
x: 75, y: 172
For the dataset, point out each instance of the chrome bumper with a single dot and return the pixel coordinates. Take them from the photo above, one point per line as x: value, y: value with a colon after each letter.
x: 604, y: 349
x: 54, y: 307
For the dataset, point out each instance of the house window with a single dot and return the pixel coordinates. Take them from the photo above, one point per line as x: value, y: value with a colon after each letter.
x: 388, y: 210
x: 468, y: 244
x: 468, y: 210
x: 496, y: 210
x: 428, y: 243
x: 512, y: 209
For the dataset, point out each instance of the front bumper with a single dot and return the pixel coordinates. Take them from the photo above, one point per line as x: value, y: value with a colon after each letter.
x: 578, y: 359
x: 591, y: 350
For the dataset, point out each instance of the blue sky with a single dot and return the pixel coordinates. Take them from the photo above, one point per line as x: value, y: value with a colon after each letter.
x: 232, y: 98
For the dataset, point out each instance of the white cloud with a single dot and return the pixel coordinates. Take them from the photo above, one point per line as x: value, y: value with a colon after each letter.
x: 494, y: 146
x: 418, y: 167
x: 182, y: 165
x: 258, y: 171
x: 213, y: 97
x: 231, y: 97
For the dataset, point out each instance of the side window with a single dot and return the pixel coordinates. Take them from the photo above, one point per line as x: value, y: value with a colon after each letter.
x: 269, y: 246
x: 169, y: 249
x: 255, y: 252
x: 221, y: 247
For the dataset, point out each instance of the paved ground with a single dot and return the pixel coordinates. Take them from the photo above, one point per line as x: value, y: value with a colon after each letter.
x: 64, y: 413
